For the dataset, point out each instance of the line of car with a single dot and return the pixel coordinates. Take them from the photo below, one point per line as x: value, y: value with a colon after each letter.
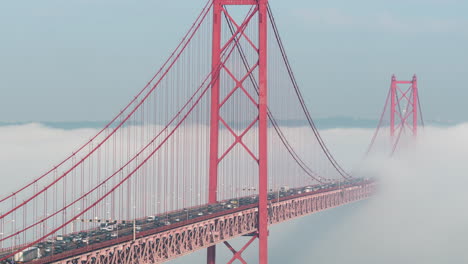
x: 109, y: 231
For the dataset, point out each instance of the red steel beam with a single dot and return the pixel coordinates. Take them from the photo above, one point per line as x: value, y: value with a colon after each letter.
x: 238, y: 2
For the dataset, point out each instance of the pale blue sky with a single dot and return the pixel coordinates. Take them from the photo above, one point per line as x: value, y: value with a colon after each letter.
x: 62, y: 60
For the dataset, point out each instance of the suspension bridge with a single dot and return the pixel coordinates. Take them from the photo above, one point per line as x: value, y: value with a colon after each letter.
x: 218, y: 144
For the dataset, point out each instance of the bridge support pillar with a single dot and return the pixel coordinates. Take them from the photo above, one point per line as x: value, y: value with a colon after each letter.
x: 263, y: 132
x: 214, y: 122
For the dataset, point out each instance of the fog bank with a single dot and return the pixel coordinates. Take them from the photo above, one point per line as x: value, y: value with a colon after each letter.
x: 418, y: 215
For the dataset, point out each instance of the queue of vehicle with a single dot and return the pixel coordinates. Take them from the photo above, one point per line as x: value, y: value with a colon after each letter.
x: 108, y: 231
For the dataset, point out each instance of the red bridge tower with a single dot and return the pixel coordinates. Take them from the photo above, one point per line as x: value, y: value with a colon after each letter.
x: 259, y: 9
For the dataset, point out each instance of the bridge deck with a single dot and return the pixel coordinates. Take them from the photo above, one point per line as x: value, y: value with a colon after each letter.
x: 167, y: 243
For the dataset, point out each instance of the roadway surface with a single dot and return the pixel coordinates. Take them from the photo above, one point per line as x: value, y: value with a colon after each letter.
x: 62, y: 247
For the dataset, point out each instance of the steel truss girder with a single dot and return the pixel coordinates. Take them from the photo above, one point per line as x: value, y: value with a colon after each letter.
x: 184, y: 240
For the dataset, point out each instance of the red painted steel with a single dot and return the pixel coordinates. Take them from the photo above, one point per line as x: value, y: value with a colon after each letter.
x: 238, y: 254
x: 214, y: 122
x: 150, y: 86
x: 307, y: 114
x: 218, y: 10
x: 415, y: 105
x: 263, y: 132
x: 410, y: 98
x: 171, y: 244
x: 158, y: 167
x: 392, y: 107
x: 404, y: 112
x: 238, y: 2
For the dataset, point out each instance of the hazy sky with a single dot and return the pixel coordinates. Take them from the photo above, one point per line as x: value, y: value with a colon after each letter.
x: 83, y: 60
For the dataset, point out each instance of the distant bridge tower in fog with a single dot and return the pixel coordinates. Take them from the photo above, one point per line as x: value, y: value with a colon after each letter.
x: 404, y: 113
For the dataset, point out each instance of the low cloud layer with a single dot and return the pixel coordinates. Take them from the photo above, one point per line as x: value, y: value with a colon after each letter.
x: 418, y: 216
x: 27, y: 151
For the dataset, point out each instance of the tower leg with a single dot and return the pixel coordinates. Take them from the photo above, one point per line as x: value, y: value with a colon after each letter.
x: 211, y: 255
x: 214, y: 122
x: 263, y: 126
x: 415, y: 105
x: 392, y: 108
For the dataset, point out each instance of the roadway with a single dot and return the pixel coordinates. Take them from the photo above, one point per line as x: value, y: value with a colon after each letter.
x: 62, y: 247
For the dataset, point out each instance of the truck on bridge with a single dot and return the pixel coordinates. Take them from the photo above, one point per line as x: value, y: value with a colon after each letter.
x: 27, y: 255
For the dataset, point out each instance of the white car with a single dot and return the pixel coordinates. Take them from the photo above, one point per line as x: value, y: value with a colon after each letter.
x: 106, y: 227
x: 109, y: 228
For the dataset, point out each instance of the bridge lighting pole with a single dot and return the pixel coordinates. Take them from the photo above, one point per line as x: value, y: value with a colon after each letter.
x: 134, y: 223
